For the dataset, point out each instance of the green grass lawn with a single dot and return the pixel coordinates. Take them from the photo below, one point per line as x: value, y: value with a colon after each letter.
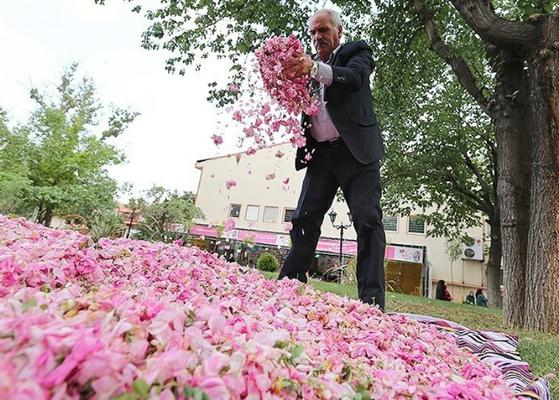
x: 539, y: 349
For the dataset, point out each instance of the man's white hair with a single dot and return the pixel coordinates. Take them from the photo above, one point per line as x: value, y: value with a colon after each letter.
x: 336, y: 19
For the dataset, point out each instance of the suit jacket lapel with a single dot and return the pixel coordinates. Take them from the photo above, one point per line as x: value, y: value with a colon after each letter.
x: 333, y: 62
x: 335, y: 59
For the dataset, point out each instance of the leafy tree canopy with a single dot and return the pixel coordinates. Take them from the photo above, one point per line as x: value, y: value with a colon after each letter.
x: 166, y: 215
x: 56, y: 162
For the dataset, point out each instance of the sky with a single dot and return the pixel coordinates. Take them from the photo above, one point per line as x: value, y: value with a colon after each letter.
x: 40, y: 39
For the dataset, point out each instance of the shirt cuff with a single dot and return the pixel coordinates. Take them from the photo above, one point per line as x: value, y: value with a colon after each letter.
x: 324, y: 74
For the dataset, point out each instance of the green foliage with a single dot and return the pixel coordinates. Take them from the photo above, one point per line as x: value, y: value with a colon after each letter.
x: 346, y: 272
x: 219, y: 229
x: 56, y: 162
x: 267, y: 262
x: 195, y: 393
x: 141, y: 387
x: 106, y: 224
x: 454, y: 248
x: 12, y: 190
x: 440, y: 146
x: 349, y: 276
x: 249, y: 241
x: 166, y: 215
x: 530, y: 8
x: 13, y: 180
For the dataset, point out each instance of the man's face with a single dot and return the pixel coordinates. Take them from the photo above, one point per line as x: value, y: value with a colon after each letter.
x: 325, y: 36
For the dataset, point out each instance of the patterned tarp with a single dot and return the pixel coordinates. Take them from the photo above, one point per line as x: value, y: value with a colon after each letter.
x: 499, y: 349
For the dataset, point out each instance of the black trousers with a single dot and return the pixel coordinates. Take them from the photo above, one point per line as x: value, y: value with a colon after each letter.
x: 330, y: 168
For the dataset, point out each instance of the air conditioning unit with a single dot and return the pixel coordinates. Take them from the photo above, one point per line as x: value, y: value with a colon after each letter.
x: 473, y: 251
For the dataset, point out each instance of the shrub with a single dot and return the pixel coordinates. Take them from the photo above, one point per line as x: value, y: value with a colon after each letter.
x: 349, y: 276
x: 106, y: 225
x: 267, y: 262
x: 346, y: 272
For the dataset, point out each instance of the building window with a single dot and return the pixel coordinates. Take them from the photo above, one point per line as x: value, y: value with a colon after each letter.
x: 252, y: 213
x: 288, y: 214
x: 390, y: 223
x: 270, y: 214
x: 235, y: 210
x: 416, y: 224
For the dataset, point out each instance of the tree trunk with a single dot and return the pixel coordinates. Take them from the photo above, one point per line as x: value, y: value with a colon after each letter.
x: 542, y: 272
x: 508, y: 111
x: 527, y: 135
x: 47, y: 217
x: 494, y: 278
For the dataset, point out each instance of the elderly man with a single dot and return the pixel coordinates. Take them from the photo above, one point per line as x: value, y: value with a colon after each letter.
x: 345, y: 148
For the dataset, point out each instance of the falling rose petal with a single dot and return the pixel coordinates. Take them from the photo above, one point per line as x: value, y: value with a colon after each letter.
x: 249, y: 131
x: 238, y: 157
x: 279, y: 154
x: 238, y: 116
x: 230, y: 183
x: 270, y: 176
x: 298, y: 141
x: 285, y: 181
x: 217, y: 139
x: 233, y: 88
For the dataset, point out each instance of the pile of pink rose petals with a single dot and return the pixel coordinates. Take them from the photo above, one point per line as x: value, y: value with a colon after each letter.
x: 129, y: 319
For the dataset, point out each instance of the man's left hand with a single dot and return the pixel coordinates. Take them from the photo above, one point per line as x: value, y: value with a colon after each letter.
x: 300, y: 64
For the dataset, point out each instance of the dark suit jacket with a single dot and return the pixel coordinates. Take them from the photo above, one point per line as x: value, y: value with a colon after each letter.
x: 350, y: 104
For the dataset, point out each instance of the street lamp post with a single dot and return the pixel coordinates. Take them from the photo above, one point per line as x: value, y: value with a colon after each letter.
x: 131, y: 222
x: 332, y: 214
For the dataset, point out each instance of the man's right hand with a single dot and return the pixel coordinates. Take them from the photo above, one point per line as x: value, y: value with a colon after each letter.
x: 299, y: 65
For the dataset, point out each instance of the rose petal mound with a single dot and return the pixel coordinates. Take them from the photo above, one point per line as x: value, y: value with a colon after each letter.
x: 143, y: 320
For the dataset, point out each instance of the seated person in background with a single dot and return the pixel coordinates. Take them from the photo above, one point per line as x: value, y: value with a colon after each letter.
x: 470, y: 298
x: 442, y: 292
x: 481, y: 300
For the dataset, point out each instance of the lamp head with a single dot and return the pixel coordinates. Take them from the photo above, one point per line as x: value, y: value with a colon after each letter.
x: 332, y: 214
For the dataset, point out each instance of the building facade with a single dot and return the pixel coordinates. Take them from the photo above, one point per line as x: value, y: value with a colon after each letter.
x: 253, y: 197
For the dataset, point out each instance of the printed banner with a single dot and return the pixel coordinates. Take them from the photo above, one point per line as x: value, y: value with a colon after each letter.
x: 349, y: 248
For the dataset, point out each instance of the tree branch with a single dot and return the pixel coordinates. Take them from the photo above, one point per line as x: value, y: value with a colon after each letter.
x: 481, y: 17
x: 474, y: 201
x: 458, y: 64
x: 486, y: 190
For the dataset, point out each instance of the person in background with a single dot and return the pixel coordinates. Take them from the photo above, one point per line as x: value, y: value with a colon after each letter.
x: 481, y: 300
x: 470, y: 298
x: 442, y: 291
